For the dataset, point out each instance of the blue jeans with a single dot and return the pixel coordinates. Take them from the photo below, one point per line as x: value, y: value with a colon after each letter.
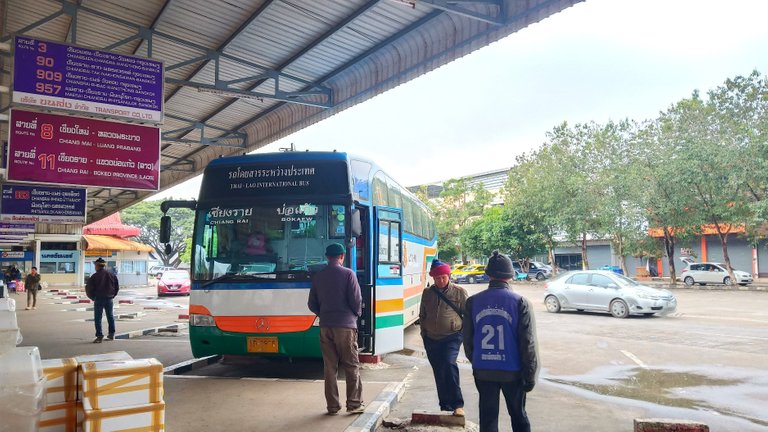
x: 442, y: 356
x: 514, y: 395
x: 100, y: 306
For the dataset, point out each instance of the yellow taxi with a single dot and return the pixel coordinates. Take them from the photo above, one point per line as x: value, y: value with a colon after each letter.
x: 473, y: 273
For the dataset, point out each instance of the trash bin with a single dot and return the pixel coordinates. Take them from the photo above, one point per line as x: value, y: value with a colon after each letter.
x: 615, y: 269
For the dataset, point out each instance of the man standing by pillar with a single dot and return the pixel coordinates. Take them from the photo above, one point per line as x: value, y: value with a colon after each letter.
x: 500, y: 341
x: 102, y: 287
x: 336, y: 299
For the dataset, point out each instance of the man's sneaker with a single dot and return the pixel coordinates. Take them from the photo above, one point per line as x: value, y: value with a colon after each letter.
x: 458, y: 412
x: 34, y: 307
x: 358, y: 410
x: 333, y: 412
x: 28, y: 308
x: 111, y: 337
x: 98, y: 339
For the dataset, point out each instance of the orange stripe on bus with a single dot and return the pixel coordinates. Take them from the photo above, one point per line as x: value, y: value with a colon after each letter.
x: 264, y: 324
x: 393, y: 305
x: 200, y: 310
x: 412, y: 291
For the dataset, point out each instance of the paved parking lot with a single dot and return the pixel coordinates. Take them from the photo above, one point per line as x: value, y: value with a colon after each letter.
x: 705, y: 362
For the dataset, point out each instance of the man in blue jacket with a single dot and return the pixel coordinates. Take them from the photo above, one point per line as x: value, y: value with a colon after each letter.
x: 500, y: 342
x: 336, y: 299
x: 102, y: 287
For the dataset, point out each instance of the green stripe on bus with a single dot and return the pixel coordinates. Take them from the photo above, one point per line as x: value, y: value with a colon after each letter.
x: 412, y: 301
x: 207, y: 341
x: 389, y: 321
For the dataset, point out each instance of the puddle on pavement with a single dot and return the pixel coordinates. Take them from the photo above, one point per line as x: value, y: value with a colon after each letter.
x: 661, y: 387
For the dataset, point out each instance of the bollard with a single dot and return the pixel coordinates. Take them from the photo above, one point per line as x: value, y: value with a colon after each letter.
x: 669, y: 425
x: 366, y: 358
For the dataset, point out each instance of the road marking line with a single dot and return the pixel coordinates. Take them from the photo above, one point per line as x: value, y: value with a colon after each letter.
x: 730, y: 336
x: 634, y: 359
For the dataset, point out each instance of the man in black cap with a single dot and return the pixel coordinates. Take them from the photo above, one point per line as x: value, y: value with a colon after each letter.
x: 500, y: 342
x: 336, y: 299
x: 102, y: 287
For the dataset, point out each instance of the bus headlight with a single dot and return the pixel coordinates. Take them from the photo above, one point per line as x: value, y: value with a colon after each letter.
x: 201, y: 320
x: 316, y: 322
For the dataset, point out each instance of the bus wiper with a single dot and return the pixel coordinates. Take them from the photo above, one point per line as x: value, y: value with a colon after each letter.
x: 227, y: 276
x: 283, y: 274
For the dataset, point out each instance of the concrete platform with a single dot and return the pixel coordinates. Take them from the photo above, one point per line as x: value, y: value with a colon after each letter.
x: 256, y: 404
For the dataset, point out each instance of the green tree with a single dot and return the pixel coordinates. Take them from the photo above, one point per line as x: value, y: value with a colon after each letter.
x: 712, y: 162
x: 458, y: 204
x: 534, y: 195
x: 493, y: 230
x: 578, y: 166
x: 619, y: 184
x: 146, y: 215
x: 740, y: 107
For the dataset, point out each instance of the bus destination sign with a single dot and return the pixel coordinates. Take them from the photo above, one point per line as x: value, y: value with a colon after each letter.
x: 58, y: 149
x: 59, y: 76
x: 275, y: 180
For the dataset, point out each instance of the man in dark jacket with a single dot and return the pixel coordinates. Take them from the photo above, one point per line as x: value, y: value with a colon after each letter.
x: 441, y: 333
x: 102, y: 287
x: 336, y: 299
x: 32, y: 284
x: 500, y: 341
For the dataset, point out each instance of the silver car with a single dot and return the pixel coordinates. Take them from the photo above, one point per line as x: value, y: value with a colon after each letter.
x: 712, y: 273
x: 605, y: 291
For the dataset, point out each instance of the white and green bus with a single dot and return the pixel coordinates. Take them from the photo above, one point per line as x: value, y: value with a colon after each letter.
x: 261, y: 227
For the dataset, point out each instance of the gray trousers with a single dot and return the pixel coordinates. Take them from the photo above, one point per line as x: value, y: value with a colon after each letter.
x: 32, y: 296
x: 339, y: 348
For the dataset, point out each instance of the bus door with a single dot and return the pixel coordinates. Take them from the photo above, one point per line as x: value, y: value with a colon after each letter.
x: 388, y: 284
x: 361, y: 257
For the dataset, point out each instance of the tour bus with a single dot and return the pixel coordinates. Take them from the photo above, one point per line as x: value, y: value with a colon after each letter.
x: 262, y: 224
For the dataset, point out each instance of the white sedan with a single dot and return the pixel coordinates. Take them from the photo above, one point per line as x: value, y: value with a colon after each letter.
x: 605, y: 291
x: 712, y: 273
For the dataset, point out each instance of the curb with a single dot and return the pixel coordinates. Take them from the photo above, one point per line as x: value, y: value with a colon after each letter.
x: 153, y: 330
x: 379, y: 408
x: 190, y: 365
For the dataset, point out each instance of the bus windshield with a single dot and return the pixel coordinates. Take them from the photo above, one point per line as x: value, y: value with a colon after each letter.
x: 272, y: 241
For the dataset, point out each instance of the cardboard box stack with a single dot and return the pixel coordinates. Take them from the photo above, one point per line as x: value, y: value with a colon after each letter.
x: 60, y: 413
x: 10, y: 336
x: 104, y: 392
x: 122, y: 395
x: 22, y: 383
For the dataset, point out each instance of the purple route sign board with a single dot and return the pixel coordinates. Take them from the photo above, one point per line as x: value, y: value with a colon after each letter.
x: 59, y: 76
x: 64, y: 150
x: 23, y: 203
x: 16, y: 228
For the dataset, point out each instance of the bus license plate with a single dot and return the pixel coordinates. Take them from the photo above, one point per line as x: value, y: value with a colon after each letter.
x: 262, y: 344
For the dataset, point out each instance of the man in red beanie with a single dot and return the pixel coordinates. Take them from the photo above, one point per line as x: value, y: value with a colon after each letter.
x: 441, y: 324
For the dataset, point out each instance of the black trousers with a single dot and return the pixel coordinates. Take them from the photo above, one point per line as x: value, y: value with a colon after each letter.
x: 514, y: 395
x: 442, y: 356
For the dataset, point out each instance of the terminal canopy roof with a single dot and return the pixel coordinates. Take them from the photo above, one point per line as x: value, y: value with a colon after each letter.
x: 240, y: 74
x: 112, y: 225
x: 109, y: 243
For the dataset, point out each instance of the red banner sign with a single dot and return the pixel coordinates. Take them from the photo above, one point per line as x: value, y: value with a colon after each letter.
x: 58, y: 149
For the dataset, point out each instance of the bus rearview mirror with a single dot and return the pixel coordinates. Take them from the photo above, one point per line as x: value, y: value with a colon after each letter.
x: 356, y: 226
x: 165, y: 229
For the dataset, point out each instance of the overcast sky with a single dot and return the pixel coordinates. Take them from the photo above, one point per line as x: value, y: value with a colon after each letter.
x: 596, y: 61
